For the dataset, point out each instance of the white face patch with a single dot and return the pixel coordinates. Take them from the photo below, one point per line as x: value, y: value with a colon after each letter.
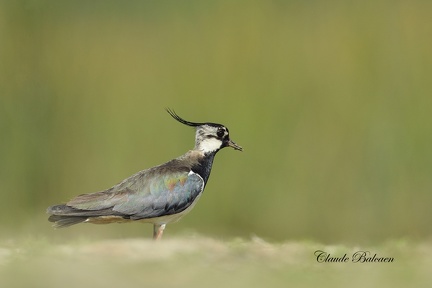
x: 210, y: 144
x: 208, y: 138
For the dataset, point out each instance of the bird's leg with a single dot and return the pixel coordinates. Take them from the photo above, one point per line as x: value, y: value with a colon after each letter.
x: 158, y: 231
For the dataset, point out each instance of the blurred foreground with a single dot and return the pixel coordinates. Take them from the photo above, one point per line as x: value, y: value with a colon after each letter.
x: 205, y: 262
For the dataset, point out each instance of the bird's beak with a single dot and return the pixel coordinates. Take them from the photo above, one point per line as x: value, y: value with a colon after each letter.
x: 234, y: 145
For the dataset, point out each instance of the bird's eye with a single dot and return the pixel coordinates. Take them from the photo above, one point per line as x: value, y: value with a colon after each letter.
x: 220, y: 133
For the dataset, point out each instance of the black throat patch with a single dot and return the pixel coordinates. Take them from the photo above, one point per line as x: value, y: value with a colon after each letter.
x: 204, y: 166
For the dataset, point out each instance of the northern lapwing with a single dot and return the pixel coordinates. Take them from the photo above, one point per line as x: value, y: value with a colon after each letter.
x: 159, y: 195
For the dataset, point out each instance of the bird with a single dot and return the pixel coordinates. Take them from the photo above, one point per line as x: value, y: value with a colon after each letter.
x: 159, y: 195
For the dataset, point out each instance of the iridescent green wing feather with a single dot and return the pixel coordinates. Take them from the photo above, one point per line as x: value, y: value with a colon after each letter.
x: 166, y: 195
x: 146, y: 194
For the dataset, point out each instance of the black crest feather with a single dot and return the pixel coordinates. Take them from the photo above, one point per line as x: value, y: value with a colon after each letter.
x: 181, y: 120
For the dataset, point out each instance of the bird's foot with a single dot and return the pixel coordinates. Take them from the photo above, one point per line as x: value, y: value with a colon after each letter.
x: 158, y: 231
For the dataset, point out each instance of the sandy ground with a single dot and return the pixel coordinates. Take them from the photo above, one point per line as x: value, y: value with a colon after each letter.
x: 205, y: 262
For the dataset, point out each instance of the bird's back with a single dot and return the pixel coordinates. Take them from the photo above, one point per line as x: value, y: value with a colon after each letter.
x: 160, y: 191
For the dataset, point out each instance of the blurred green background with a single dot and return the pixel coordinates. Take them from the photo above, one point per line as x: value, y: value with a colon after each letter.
x: 331, y: 101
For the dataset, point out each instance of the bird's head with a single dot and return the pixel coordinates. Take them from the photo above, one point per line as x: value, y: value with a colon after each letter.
x: 209, y: 137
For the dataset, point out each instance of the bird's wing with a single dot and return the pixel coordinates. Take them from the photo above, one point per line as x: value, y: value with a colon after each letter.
x: 145, y: 195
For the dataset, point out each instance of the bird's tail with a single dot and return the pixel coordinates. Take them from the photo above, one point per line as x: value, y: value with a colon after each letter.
x: 60, y: 217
